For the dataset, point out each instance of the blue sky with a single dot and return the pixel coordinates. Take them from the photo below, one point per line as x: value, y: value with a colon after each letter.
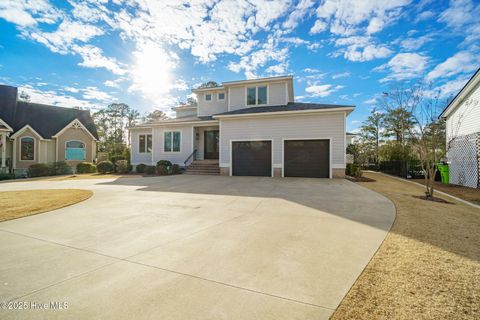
x: 150, y: 53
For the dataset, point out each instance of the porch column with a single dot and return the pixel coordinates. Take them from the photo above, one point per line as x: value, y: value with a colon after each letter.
x: 4, y: 150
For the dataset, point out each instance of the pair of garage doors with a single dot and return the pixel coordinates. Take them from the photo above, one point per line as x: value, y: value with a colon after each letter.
x: 301, y: 158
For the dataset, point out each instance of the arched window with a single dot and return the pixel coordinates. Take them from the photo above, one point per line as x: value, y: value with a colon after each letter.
x: 75, y: 150
x: 27, y: 149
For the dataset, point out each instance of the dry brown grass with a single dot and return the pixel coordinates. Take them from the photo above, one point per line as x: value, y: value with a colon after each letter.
x: 428, y: 267
x: 17, y: 204
x: 93, y: 176
x: 465, y: 193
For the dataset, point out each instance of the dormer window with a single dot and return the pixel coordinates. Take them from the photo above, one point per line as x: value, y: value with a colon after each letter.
x: 208, y: 97
x: 256, y: 95
x: 221, y: 96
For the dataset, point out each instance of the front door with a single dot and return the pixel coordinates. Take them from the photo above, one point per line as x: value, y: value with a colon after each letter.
x: 211, y: 144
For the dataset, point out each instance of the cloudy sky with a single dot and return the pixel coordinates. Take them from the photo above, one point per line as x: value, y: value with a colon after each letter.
x: 149, y: 53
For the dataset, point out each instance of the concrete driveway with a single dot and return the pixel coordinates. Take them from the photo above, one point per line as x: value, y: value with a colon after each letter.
x: 192, y: 247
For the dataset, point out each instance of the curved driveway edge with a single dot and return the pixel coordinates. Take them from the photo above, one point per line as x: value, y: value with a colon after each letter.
x: 202, y: 247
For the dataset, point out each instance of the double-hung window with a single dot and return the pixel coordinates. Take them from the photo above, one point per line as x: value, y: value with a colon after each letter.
x: 208, y: 97
x: 145, y: 143
x: 171, y: 141
x: 256, y: 95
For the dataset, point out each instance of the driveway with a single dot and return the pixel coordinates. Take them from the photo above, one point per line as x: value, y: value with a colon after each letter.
x: 192, y: 247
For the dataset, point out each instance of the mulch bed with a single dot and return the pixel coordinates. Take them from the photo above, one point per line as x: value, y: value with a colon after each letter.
x: 360, y: 179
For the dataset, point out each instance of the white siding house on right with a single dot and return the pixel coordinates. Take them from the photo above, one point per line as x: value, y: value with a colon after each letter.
x: 462, y: 117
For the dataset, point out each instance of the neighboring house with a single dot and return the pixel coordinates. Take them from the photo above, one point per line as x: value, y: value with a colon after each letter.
x: 249, y: 128
x: 350, y: 138
x: 463, y: 134
x: 36, y: 133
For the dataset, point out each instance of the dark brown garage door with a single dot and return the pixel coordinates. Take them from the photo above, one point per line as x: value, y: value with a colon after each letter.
x: 252, y: 158
x: 307, y: 158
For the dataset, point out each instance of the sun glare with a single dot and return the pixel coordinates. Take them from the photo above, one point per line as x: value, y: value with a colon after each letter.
x: 152, y: 72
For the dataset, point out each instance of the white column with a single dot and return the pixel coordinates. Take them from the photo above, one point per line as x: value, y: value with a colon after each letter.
x: 4, y: 150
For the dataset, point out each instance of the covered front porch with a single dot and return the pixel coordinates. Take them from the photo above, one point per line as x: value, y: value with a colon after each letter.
x: 5, y: 152
x: 206, y: 143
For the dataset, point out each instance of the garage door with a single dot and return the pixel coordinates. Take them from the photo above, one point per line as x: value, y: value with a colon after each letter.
x: 307, y: 158
x: 252, y: 158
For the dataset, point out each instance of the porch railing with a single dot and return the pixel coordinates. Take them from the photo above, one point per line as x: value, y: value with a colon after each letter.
x: 192, y: 157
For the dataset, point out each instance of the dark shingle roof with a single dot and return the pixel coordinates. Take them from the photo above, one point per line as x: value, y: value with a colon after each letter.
x: 292, y: 106
x: 47, y: 120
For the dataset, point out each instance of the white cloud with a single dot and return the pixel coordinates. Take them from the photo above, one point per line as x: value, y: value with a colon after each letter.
x: 302, y: 9
x: 450, y: 88
x: 347, y: 17
x: 318, y: 27
x: 404, y: 66
x: 92, y: 93
x: 93, y: 58
x: 67, y: 33
x: 361, y: 48
x: 341, y: 75
x: 52, y: 97
x: 26, y: 13
x: 415, y: 43
x: 459, y: 13
x: 324, y: 90
x: 461, y: 62
x: 268, y: 52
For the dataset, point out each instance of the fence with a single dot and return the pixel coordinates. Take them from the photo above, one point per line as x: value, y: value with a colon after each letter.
x: 411, y: 169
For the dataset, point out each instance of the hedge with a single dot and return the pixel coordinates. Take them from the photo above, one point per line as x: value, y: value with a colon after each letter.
x: 39, y: 170
x: 105, y: 167
x: 60, y: 167
x: 86, y: 167
x: 140, y: 168
x: 122, y: 166
x: 150, y: 170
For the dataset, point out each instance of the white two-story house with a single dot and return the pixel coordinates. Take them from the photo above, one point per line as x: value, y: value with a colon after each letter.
x: 249, y: 128
x: 462, y: 116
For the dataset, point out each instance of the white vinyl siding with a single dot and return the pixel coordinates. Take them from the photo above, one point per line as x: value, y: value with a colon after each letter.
x: 278, y: 93
x: 186, y: 144
x: 215, y: 106
x: 324, y: 126
x: 465, y: 119
x: 137, y: 157
x: 186, y: 113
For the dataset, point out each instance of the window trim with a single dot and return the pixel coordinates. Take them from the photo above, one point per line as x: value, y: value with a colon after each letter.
x: 256, y: 95
x: 34, y: 148
x: 146, y: 143
x: 218, y: 96
x: 205, y: 97
x: 171, y: 141
x: 84, y: 150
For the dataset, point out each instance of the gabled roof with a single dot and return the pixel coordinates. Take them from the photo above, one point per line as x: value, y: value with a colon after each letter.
x: 474, y: 80
x: 47, y: 120
x: 292, y: 107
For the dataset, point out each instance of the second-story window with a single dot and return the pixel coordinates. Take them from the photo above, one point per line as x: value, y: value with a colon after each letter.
x: 208, y: 97
x: 257, y: 95
x: 221, y: 96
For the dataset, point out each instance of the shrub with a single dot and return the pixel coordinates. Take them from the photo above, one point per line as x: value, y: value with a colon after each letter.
x: 39, y: 170
x: 140, y: 168
x: 162, y: 170
x: 165, y: 163
x: 353, y: 170
x: 105, y: 166
x: 150, y: 169
x: 6, y: 176
x: 86, y: 167
x: 122, y: 166
x: 175, y: 169
x: 117, y: 157
x: 60, y: 167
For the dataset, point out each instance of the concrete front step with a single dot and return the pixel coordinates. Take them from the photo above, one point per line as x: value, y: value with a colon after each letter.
x: 201, y: 173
